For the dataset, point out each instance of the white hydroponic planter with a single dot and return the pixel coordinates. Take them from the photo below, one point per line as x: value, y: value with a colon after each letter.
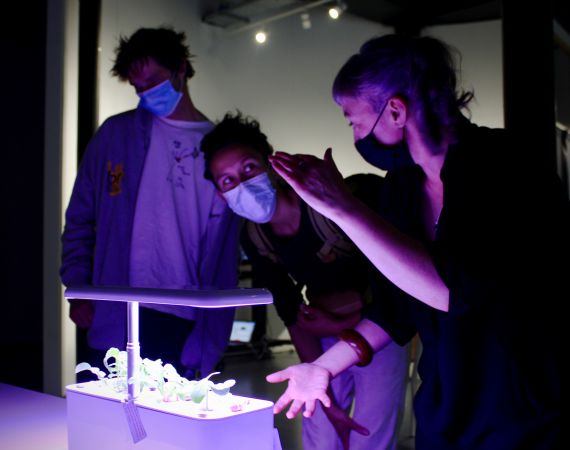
x: 100, y: 418
x: 97, y: 420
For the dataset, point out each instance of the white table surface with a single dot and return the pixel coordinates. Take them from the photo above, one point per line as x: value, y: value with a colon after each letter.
x: 31, y: 420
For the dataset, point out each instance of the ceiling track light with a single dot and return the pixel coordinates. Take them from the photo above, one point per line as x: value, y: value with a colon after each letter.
x: 261, y: 34
x: 305, y: 21
x: 261, y: 37
x: 336, y: 11
x: 296, y: 10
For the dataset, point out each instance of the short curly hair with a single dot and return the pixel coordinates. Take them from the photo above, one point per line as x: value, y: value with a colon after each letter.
x: 164, y: 45
x: 234, y: 129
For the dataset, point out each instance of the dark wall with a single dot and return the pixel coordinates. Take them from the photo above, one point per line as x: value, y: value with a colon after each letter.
x: 562, y: 84
x: 22, y: 85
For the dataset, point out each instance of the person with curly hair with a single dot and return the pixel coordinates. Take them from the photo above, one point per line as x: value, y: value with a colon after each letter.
x: 142, y: 215
x: 319, y: 280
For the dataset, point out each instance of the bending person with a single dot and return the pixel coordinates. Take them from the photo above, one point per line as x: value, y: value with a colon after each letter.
x: 292, y: 247
x: 470, y: 245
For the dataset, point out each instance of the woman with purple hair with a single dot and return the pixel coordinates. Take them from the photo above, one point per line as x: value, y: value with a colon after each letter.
x: 470, y: 246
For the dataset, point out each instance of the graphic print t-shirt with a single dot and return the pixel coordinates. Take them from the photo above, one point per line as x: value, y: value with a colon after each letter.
x: 173, y: 205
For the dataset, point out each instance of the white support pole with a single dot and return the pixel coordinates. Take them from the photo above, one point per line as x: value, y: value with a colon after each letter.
x: 133, y: 349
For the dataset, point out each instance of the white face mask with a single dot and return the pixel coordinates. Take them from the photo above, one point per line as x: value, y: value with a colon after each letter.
x: 254, y: 199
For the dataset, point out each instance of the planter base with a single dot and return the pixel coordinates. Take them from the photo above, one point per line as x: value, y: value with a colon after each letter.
x: 96, y: 420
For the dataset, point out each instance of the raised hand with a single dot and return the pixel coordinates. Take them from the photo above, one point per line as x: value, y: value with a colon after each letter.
x: 317, y: 181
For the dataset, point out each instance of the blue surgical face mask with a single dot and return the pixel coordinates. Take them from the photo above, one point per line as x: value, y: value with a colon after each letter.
x: 254, y: 199
x: 383, y: 156
x: 161, y: 100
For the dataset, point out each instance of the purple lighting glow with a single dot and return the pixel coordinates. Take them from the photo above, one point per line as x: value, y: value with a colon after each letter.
x: 200, y: 299
x: 183, y: 297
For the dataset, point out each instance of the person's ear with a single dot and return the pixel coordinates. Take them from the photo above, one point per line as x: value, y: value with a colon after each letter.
x: 398, y: 111
x: 180, y: 76
x: 182, y: 69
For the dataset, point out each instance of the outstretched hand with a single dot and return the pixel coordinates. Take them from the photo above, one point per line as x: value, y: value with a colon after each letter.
x: 307, y: 384
x: 317, y: 181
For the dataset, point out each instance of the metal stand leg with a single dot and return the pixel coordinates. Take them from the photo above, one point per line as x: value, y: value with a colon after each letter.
x: 133, y: 348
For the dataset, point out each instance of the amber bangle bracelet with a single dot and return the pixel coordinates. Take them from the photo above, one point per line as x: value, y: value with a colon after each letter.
x: 360, y: 346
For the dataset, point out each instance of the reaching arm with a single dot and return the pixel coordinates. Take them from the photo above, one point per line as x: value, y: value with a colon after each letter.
x: 309, y: 382
x: 309, y: 348
x: 341, y: 356
x: 403, y: 260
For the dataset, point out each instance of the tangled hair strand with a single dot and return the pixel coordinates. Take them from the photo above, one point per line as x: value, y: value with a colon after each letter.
x: 164, y: 45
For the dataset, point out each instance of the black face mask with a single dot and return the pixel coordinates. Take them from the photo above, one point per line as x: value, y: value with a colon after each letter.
x: 385, y: 157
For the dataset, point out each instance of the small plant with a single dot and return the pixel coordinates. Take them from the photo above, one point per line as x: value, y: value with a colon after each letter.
x: 153, y: 376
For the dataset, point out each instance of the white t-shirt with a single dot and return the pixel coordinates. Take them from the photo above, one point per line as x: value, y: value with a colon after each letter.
x: 173, y: 206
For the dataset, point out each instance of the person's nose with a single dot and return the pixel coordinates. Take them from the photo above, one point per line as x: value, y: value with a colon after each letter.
x: 244, y: 177
x: 357, y: 134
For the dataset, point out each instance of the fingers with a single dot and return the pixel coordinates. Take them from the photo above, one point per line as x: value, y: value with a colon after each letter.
x: 284, y: 171
x: 309, y: 408
x: 329, y: 159
x: 281, y: 403
x: 293, y: 159
x: 292, y: 163
x: 278, y: 377
x: 305, y: 159
x: 284, y: 156
x: 325, y: 400
x: 295, y: 408
x: 283, y: 161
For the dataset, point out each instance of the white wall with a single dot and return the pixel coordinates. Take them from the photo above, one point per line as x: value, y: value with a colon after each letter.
x: 480, y: 44
x: 286, y: 83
